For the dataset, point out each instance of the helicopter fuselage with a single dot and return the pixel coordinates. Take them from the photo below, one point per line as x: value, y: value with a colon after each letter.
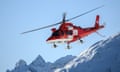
x: 68, y: 32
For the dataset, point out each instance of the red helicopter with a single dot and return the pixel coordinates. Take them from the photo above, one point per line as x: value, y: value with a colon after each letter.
x: 67, y: 32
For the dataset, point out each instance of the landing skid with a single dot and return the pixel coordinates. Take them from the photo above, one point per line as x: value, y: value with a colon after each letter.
x: 68, y: 46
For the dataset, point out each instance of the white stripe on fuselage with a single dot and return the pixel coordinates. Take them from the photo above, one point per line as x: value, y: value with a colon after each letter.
x: 59, y: 41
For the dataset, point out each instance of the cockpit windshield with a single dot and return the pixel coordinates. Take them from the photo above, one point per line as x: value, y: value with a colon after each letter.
x: 56, y: 33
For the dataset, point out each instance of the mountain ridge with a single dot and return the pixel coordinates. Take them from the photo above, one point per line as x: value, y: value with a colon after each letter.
x: 103, y: 56
x: 39, y: 65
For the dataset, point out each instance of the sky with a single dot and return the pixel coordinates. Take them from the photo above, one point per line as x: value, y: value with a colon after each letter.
x: 17, y: 16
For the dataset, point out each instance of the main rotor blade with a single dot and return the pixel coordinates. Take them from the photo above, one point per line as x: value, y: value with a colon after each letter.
x: 42, y: 28
x: 84, y: 13
x: 64, y: 16
x: 62, y: 21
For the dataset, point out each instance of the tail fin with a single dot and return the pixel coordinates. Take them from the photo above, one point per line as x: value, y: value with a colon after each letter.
x: 97, y: 21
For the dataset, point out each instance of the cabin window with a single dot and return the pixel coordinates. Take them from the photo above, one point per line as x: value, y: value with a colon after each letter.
x: 58, y: 33
x: 69, y: 32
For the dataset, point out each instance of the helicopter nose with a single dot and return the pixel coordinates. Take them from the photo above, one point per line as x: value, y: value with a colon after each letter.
x: 50, y: 40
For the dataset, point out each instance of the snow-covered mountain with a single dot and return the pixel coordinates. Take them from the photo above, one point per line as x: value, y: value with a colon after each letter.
x: 103, y: 56
x: 39, y: 65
